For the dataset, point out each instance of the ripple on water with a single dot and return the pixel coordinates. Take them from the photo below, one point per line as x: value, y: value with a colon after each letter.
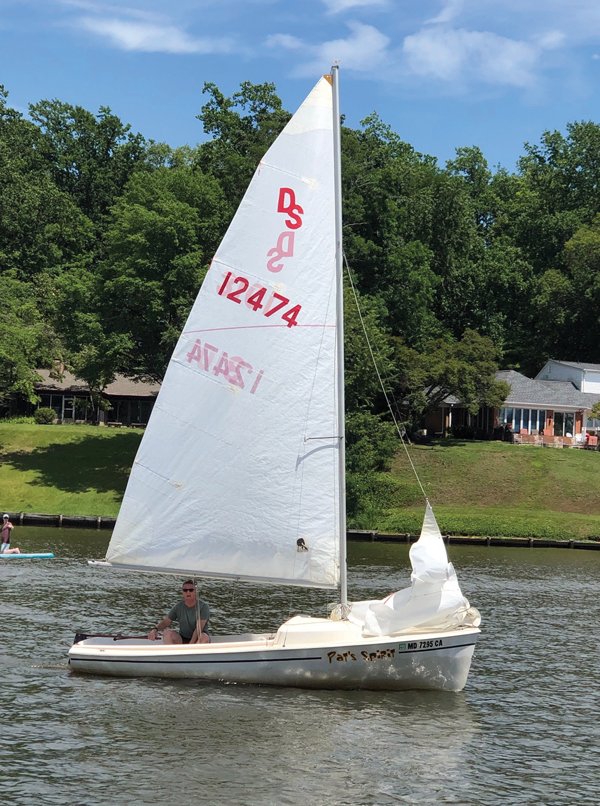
x: 524, y: 731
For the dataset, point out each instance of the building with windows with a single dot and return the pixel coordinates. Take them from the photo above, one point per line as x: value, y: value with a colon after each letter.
x: 584, y: 377
x: 554, y: 407
x: 130, y: 401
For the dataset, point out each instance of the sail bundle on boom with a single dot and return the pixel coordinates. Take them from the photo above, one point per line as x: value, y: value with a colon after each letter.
x: 434, y: 600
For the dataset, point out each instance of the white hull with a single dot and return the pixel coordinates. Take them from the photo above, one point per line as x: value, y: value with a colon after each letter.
x: 305, y: 653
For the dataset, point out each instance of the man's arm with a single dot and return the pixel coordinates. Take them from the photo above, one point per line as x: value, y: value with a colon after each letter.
x: 153, y: 634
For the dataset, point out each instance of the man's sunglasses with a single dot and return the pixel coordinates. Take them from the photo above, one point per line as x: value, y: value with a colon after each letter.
x: 187, y: 590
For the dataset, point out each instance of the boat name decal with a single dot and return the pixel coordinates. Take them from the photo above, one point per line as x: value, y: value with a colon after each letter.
x: 286, y: 204
x: 254, y: 296
x: 232, y: 368
x: 344, y: 657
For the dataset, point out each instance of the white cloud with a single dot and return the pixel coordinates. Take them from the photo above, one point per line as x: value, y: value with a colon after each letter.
x: 363, y: 50
x: 551, y: 40
x: 457, y: 55
x: 451, y: 9
x: 151, y: 38
x: 335, y: 6
x: 122, y: 11
x: 285, y: 41
x: 577, y: 20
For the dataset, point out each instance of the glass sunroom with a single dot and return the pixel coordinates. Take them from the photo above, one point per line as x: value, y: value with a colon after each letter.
x: 534, y: 421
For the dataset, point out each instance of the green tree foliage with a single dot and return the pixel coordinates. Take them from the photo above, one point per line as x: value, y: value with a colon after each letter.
x: 387, y: 218
x: 162, y: 234
x: 26, y: 341
x: 465, y: 369
x: 91, y: 157
x: 242, y: 128
x: 105, y: 239
x: 42, y: 227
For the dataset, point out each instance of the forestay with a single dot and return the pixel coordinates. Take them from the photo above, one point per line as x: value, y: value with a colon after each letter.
x: 236, y: 475
x: 434, y: 599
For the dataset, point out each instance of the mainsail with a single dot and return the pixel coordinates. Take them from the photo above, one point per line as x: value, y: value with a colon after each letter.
x: 236, y: 476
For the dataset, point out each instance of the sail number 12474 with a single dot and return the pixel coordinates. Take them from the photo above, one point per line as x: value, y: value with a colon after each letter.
x: 256, y: 297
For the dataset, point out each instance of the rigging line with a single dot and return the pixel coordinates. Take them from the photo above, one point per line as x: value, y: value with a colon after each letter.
x: 198, y: 625
x: 381, y: 383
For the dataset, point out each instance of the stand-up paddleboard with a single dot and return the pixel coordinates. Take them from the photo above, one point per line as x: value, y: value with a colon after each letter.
x: 4, y: 556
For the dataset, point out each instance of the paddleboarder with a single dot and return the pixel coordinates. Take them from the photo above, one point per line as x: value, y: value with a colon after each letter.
x: 187, y: 612
x: 5, y: 531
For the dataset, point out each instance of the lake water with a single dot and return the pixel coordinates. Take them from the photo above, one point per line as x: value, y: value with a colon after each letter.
x: 526, y: 730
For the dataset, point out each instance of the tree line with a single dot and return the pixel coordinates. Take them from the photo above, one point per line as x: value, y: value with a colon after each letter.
x: 105, y: 238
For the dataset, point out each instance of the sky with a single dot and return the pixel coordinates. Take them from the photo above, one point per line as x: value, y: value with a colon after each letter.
x: 442, y: 73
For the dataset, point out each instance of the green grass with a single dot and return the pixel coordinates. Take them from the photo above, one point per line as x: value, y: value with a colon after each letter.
x: 492, y: 488
x: 65, y: 469
x: 476, y: 488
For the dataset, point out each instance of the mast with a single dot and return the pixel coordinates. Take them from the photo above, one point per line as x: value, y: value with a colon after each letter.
x: 337, y: 173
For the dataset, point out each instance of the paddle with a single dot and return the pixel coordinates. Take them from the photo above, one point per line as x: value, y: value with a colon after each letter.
x: 81, y: 636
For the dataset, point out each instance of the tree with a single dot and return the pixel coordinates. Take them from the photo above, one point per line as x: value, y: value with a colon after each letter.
x: 465, y: 369
x: 130, y: 309
x: 242, y: 129
x: 90, y: 157
x: 41, y: 226
x: 386, y: 205
x: 26, y: 342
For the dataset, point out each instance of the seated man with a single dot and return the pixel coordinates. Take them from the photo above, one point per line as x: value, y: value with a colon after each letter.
x: 186, y: 613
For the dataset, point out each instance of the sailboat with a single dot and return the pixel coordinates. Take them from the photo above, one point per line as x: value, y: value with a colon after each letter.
x: 240, y: 474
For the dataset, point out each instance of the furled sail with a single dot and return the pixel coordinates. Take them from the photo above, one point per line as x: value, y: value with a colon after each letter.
x: 236, y: 476
x: 433, y: 601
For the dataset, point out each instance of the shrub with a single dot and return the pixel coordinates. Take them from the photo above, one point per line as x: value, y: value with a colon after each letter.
x: 369, y: 494
x: 44, y: 416
x: 19, y: 419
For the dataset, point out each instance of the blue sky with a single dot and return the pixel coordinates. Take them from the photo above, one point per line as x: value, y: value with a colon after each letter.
x: 442, y: 73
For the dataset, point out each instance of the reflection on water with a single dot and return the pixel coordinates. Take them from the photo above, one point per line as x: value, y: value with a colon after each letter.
x: 524, y: 731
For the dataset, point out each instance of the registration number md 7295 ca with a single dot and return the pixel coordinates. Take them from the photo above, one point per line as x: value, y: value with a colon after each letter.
x: 432, y: 643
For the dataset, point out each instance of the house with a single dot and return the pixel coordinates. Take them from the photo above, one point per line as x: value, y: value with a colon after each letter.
x: 585, y: 377
x: 131, y: 402
x: 553, y: 405
x: 553, y: 408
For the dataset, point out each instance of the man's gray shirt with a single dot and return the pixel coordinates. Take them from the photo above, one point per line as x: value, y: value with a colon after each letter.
x: 186, y: 616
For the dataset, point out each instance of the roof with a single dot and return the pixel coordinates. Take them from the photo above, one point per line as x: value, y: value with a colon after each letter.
x: 527, y: 392
x: 120, y: 387
x: 544, y: 394
x: 576, y: 364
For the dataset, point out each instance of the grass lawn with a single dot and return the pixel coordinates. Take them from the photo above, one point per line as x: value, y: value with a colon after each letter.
x: 492, y: 488
x: 476, y: 488
x: 65, y: 469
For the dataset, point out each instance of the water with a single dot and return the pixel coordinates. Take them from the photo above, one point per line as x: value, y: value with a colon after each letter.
x: 526, y: 730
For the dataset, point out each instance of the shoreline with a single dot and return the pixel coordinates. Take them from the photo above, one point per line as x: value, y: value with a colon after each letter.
x: 365, y: 536
x: 353, y: 535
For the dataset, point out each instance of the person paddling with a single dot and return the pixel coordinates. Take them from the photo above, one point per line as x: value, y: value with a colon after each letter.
x: 5, y: 531
x: 186, y: 612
